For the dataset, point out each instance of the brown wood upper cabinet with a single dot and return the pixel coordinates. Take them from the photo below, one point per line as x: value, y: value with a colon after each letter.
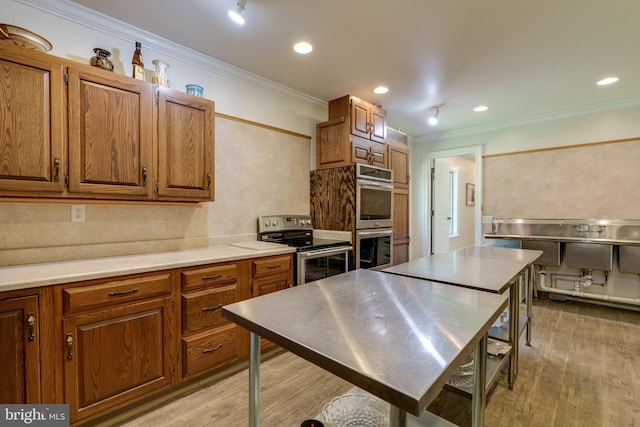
x: 126, y: 139
x: 355, y: 133
x: 110, y: 134
x: 185, y: 146
x: 32, y: 116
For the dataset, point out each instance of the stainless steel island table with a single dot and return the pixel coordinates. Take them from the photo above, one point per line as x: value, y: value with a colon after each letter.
x: 395, y: 337
x: 488, y: 269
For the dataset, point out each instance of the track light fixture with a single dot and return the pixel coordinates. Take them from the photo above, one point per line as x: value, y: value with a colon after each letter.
x: 433, y: 120
x: 236, y: 15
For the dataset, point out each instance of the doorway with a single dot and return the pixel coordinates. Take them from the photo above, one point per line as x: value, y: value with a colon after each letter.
x: 436, y: 222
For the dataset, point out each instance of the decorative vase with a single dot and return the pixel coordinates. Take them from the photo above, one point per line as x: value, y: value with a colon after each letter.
x: 160, y: 75
x: 101, y: 60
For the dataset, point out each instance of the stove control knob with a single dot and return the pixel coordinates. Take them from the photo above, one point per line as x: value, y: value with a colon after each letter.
x: 267, y: 223
x: 275, y: 222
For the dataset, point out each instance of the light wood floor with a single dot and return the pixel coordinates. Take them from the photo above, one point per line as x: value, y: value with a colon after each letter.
x: 582, y: 369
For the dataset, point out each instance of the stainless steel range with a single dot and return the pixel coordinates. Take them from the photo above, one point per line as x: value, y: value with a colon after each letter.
x: 316, y: 258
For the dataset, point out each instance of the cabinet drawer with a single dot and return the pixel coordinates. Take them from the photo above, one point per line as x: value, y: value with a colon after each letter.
x: 203, y: 309
x: 115, y: 292
x: 208, y: 350
x: 271, y: 265
x: 207, y: 276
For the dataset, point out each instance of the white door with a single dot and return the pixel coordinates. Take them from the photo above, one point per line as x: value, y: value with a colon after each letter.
x: 440, y: 193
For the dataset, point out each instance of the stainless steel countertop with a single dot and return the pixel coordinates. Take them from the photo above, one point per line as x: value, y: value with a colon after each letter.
x: 396, y: 337
x: 482, y: 268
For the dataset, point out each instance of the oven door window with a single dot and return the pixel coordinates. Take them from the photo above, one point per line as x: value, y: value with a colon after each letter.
x: 375, y: 252
x: 324, y: 266
x: 375, y: 204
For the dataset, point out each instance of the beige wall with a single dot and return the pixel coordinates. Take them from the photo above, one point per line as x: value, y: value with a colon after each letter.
x: 592, y: 181
x: 258, y: 171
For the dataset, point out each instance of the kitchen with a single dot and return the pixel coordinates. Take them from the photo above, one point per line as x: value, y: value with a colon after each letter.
x: 38, y: 232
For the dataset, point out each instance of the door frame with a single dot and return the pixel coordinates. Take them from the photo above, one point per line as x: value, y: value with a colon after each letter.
x: 476, y: 151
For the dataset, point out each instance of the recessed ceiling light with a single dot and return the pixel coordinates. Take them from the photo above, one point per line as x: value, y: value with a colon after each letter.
x: 480, y: 108
x: 607, y: 81
x: 302, y: 48
x: 380, y: 90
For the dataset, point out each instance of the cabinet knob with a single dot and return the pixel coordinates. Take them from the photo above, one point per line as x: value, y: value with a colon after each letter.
x: 69, y: 346
x: 31, y: 322
x: 56, y: 163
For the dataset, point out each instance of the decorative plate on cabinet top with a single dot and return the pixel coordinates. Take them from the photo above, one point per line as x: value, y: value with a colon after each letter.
x: 24, y: 38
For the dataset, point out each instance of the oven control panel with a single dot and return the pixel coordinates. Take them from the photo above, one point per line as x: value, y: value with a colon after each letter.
x: 268, y: 224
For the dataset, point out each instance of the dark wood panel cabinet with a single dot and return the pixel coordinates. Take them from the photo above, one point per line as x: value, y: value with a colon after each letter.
x: 19, y: 350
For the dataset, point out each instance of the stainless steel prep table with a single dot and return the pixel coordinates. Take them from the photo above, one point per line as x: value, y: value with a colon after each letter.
x: 396, y: 337
x: 484, y: 268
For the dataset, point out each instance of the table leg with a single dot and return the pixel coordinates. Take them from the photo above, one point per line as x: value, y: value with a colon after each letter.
x: 529, y: 285
x: 514, y: 320
x: 398, y: 417
x: 478, y: 399
x: 254, y: 380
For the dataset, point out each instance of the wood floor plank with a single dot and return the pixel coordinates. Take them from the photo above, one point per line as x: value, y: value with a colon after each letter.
x: 582, y: 369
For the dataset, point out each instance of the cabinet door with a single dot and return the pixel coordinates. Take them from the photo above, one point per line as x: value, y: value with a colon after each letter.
x: 110, y: 134
x: 399, y: 164
x: 32, y: 118
x: 379, y: 155
x: 19, y: 351
x: 360, y: 151
x: 400, y: 225
x: 360, y: 118
x: 185, y: 146
x: 378, y: 119
x: 116, y: 356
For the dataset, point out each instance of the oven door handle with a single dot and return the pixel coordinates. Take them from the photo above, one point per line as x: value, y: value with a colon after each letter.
x: 374, y: 233
x: 375, y: 185
x: 325, y: 252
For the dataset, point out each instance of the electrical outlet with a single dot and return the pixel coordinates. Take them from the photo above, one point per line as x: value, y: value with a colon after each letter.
x: 77, y: 213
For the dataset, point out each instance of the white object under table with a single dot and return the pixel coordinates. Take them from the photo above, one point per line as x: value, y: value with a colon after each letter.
x: 395, y: 337
x: 488, y: 269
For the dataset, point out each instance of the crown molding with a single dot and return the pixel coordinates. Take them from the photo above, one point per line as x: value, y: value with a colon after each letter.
x: 546, y: 117
x: 98, y: 22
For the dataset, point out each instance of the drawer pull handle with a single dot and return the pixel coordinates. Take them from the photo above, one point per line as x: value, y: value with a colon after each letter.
x: 211, y: 350
x: 209, y: 178
x: 31, y: 321
x: 217, y: 307
x: 119, y: 294
x: 69, y: 346
x: 145, y: 172
x: 274, y: 266
x: 215, y: 276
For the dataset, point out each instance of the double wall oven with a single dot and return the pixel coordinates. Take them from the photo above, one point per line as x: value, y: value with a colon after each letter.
x: 374, y: 217
x: 316, y: 258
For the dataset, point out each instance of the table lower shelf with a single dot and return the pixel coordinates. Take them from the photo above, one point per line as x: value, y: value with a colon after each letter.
x: 494, y: 365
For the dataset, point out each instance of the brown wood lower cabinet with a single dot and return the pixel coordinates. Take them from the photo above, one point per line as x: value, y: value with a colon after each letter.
x: 19, y: 350
x: 103, y: 345
x: 120, y: 352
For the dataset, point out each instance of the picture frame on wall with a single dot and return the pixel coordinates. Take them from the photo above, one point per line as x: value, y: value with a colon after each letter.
x: 471, y: 195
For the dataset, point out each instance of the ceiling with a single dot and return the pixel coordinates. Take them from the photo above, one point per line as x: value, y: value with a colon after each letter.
x: 523, y: 59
